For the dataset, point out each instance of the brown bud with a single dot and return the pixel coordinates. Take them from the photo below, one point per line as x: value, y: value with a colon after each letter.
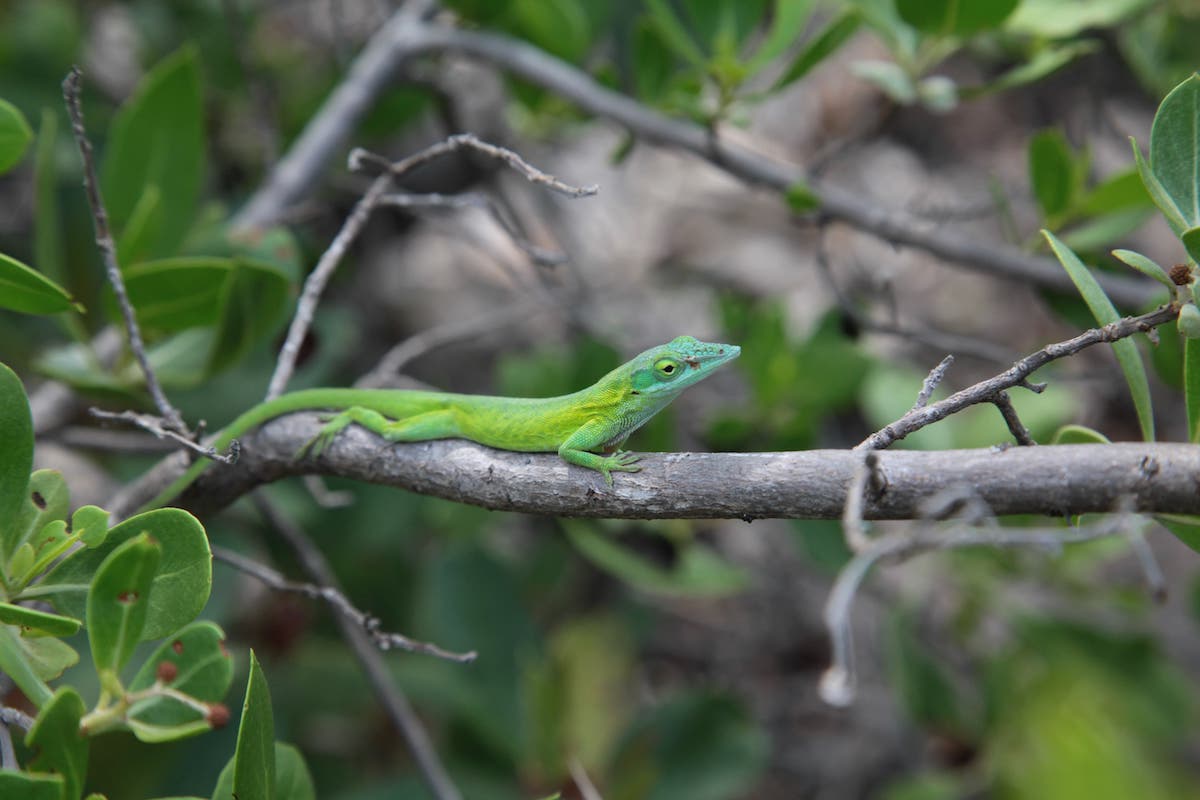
x: 218, y: 715
x: 1181, y: 274
x: 167, y: 671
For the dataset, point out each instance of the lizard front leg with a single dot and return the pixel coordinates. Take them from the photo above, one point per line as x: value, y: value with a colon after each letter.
x: 594, y: 435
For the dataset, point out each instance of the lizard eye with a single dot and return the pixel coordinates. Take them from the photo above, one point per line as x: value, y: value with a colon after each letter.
x: 667, y: 367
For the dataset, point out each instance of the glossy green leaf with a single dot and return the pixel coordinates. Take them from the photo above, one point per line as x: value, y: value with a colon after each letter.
x: 674, y: 33
x: 47, y: 221
x: 1191, y: 387
x: 1078, y: 434
x: 16, y: 664
x: 788, y: 18
x: 15, y: 135
x: 203, y: 670
x: 251, y: 308
x: 49, y: 657
x: 1175, y: 149
x: 60, y: 746
x: 254, y: 758
x: 31, y: 786
x: 1052, y: 172
x: 16, y: 457
x: 157, y: 139
x: 119, y: 601
x: 697, y: 570
x: 30, y: 292
x: 181, y: 587
x: 955, y: 17
x: 1104, y: 312
x: 39, y: 621
x: 1191, y: 242
x: 1144, y: 265
x: 835, y: 33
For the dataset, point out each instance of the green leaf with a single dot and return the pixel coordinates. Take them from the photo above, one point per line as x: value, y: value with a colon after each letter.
x: 254, y: 758
x: 1100, y: 233
x: 48, y: 657
x: 1062, y: 19
x: 15, y: 135
x: 801, y: 198
x: 1191, y: 387
x: 1104, y: 312
x: 1164, y: 201
x: 1175, y: 149
x: 1052, y: 172
x: 172, y: 294
x: 16, y: 664
x: 889, y: 78
x: 16, y: 457
x: 181, y: 587
x: 40, y: 621
x: 697, y: 570
x: 1078, y: 434
x: 203, y: 670
x: 28, y: 291
x: 1191, y: 243
x: 652, y: 62
x: 90, y: 524
x: 61, y: 748
x: 1045, y: 61
x: 787, y: 23
x: 31, y: 786
x: 292, y: 778
x: 1144, y: 265
x: 119, y: 600
x: 251, y: 306
x: 1185, y: 528
x: 955, y: 17
x: 145, y: 221
x: 1119, y: 191
x: 561, y: 28
x: 157, y: 140
x: 46, y: 499
x: 47, y: 221
x: 674, y: 33
x: 836, y: 33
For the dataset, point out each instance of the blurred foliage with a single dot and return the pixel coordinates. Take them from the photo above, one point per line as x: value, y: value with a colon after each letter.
x: 562, y: 611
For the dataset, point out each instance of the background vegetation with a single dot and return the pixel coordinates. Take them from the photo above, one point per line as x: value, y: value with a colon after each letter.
x: 629, y: 659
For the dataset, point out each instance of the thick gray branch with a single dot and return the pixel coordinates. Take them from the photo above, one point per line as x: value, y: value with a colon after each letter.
x: 812, y: 484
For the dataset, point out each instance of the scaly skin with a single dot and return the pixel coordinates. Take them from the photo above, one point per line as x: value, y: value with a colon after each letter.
x: 586, y: 428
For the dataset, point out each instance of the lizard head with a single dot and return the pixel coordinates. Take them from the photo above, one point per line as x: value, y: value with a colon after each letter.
x: 670, y: 368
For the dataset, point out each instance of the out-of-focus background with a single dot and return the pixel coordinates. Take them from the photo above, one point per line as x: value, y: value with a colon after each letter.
x: 671, y: 659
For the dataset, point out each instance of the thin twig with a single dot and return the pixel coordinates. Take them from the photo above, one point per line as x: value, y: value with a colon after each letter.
x: 932, y: 380
x: 8, y: 755
x: 447, y: 333
x: 540, y: 255
x: 1016, y: 375
x: 339, y: 603
x: 587, y: 789
x: 152, y: 424
x: 71, y: 87
x: 838, y: 684
x: 399, y: 710
x: 1017, y: 428
x: 314, y: 285
x: 15, y: 717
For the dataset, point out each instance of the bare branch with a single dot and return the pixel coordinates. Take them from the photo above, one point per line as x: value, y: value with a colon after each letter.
x: 394, y: 702
x: 1016, y: 375
x: 340, y: 604
x: 812, y: 484
x: 837, y: 685
x: 15, y: 717
x: 71, y: 87
x: 1004, y: 404
x: 152, y: 424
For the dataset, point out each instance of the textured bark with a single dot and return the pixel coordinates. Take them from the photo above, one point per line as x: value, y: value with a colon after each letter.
x: 1062, y: 479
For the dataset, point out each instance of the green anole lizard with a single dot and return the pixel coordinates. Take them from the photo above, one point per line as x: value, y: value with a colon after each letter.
x: 586, y: 428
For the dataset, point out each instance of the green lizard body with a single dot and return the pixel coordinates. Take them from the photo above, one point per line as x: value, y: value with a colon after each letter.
x: 586, y: 428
